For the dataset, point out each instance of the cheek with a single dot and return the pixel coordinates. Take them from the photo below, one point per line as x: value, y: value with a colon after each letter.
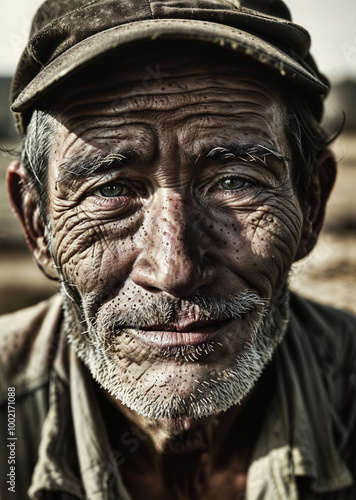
x: 259, y: 245
x: 95, y: 254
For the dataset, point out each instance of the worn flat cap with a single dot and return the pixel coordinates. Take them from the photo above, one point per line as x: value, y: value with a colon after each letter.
x: 68, y: 35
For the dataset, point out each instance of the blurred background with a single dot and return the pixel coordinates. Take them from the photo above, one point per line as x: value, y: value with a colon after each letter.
x: 328, y: 274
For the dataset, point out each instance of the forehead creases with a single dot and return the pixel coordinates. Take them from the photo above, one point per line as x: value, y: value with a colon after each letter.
x: 116, y: 95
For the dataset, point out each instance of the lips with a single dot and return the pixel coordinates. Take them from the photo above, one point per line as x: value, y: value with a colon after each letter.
x: 182, y: 334
x: 183, y: 326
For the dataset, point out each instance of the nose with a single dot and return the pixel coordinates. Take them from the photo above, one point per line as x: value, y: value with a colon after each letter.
x: 174, y: 250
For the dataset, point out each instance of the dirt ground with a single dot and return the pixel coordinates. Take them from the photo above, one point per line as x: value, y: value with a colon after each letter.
x: 327, y: 275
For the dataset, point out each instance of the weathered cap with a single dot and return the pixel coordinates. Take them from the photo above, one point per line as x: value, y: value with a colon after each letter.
x: 67, y: 35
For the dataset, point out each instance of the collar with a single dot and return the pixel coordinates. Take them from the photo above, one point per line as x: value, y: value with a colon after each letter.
x: 75, y: 456
x: 297, y: 438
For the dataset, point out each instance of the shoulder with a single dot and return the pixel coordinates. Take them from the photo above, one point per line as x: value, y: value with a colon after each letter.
x: 330, y: 332
x: 322, y: 315
x: 28, y: 343
x: 321, y: 346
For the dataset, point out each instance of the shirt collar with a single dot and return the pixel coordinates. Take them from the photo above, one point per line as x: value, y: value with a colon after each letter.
x: 297, y: 438
x: 75, y: 454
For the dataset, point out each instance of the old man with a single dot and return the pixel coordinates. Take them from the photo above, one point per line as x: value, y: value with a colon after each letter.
x: 173, y: 169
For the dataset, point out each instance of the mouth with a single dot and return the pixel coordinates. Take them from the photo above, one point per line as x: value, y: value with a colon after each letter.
x: 183, y: 334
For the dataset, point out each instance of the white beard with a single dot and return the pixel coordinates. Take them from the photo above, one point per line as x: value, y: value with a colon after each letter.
x: 211, y: 391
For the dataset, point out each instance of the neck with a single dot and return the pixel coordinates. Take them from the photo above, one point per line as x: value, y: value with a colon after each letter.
x: 179, y: 434
x: 183, y: 458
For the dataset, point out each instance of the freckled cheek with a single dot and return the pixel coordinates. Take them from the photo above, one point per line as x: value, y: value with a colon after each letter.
x: 272, y: 255
x: 258, y: 251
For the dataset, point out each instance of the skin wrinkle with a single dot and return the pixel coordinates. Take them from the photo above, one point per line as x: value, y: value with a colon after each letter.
x: 89, y: 151
x: 177, y: 99
x: 188, y: 134
x: 156, y: 104
x: 138, y: 132
x: 87, y: 234
x: 211, y: 90
x: 83, y: 167
x: 178, y: 241
x: 205, y: 111
x: 78, y: 168
x: 265, y: 220
x: 269, y: 231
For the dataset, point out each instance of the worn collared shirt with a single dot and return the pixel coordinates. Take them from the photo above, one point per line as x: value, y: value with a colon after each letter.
x: 55, y: 444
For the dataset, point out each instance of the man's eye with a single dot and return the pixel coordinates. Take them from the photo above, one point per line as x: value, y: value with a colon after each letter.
x: 232, y: 183
x: 113, y: 190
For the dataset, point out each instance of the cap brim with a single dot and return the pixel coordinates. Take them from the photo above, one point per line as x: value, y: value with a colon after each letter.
x: 100, y: 44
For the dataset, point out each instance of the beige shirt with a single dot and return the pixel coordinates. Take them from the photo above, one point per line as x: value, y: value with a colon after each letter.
x: 306, y: 448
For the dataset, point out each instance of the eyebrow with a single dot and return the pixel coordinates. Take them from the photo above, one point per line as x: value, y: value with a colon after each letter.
x: 84, y: 167
x: 247, y: 152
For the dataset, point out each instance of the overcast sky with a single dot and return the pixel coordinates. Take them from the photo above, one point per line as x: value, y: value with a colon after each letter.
x: 332, y: 24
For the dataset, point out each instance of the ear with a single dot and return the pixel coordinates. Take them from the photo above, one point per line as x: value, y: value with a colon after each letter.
x: 24, y: 204
x: 322, y: 184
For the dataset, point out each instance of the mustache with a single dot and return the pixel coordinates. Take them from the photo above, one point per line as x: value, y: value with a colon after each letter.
x: 165, y: 310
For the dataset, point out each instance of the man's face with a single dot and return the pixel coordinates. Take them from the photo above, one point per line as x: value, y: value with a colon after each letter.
x: 174, y: 223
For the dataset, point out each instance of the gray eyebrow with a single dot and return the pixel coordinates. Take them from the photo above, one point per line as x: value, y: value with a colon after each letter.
x: 249, y: 152
x: 83, y: 167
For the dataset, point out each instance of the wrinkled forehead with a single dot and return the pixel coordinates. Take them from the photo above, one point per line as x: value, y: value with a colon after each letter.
x: 162, y: 68
x: 179, y: 95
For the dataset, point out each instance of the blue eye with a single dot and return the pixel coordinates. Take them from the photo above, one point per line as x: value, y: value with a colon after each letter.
x: 232, y: 183
x: 112, y: 190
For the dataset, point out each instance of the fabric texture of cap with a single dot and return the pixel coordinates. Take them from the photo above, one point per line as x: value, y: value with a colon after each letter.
x: 68, y: 35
